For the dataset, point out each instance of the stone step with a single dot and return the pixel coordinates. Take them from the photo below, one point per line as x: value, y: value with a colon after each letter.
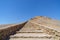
x: 30, y: 39
x: 31, y: 35
x: 30, y: 31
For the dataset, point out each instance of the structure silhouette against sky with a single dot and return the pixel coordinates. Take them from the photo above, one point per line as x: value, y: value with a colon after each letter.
x: 15, y: 11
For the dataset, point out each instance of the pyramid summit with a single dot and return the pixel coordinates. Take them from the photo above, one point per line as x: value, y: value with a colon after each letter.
x: 37, y: 28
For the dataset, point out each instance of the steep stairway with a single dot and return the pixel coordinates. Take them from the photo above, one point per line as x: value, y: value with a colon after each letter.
x: 30, y: 32
x: 39, y: 28
x: 31, y: 35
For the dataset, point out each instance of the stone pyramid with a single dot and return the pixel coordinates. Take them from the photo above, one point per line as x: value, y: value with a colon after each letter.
x: 39, y: 28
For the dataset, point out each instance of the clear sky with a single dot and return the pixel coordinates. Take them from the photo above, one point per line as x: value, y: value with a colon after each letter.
x: 16, y: 11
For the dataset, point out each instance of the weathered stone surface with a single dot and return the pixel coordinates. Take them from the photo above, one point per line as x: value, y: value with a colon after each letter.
x: 30, y: 39
x: 9, y: 29
x: 38, y: 28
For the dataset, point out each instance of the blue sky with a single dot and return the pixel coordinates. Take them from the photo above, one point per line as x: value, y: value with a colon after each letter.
x: 16, y: 11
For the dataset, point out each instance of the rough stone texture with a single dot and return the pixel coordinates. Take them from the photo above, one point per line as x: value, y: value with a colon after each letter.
x: 48, y: 25
x: 29, y: 32
x: 38, y: 28
x: 9, y: 30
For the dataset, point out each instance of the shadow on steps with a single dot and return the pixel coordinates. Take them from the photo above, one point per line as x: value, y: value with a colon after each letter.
x: 5, y: 33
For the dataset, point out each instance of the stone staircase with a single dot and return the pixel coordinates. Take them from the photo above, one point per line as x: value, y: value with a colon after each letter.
x: 31, y: 35
x: 30, y: 32
x: 38, y: 28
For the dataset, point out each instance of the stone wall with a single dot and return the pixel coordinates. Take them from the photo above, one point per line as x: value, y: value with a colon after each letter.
x: 4, y: 33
